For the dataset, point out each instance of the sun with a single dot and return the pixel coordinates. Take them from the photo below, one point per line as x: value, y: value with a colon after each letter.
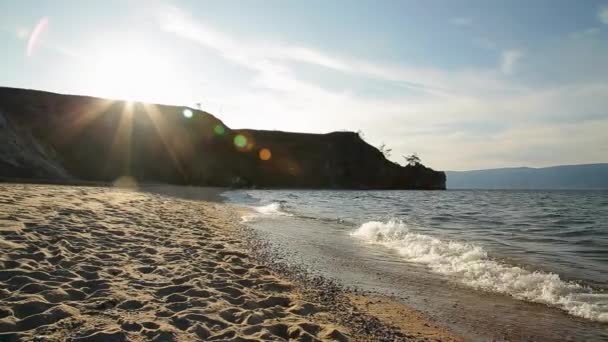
x: 134, y: 74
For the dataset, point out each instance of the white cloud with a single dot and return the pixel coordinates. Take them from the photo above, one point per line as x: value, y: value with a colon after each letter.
x: 447, y: 99
x: 603, y: 14
x: 265, y: 57
x: 509, y: 59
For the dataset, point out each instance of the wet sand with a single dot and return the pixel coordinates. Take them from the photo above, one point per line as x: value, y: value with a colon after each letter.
x: 326, y: 248
x: 164, y: 264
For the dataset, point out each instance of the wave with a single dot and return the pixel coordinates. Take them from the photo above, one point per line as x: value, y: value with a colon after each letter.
x: 471, y: 265
x: 273, y: 209
x: 277, y: 209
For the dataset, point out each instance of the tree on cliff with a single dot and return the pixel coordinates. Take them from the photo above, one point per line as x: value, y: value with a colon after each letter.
x: 412, y: 159
x: 385, y: 150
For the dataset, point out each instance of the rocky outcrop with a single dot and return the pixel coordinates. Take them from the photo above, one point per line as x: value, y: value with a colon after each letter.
x: 23, y: 156
x: 53, y: 136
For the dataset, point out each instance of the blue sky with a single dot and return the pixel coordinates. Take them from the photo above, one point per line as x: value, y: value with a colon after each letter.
x: 465, y: 84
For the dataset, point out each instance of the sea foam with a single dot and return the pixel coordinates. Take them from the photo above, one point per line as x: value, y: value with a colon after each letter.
x: 471, y: 265
x: 272, y: 209
x: 268, y: 210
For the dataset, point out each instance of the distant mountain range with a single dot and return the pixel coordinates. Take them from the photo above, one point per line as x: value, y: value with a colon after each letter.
x: 586, y: 176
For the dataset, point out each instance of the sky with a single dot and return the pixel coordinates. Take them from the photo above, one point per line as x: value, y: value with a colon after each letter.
x: 464, y: 84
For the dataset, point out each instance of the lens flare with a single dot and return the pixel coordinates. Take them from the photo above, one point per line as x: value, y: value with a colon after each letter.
x: 240, y: 141
x: 265, y: 154
x: 127, y: 182
x: 219, y: 129
x: 35, y: 36
x: 187, y: 113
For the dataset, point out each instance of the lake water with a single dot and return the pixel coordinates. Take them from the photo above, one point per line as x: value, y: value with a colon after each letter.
x: 489, y: 264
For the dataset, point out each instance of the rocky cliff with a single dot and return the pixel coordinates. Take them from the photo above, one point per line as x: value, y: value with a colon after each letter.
x: 46, y: 136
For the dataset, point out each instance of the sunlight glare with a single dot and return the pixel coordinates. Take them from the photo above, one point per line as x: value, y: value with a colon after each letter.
x: 132, y: 73
x: 126, y: 182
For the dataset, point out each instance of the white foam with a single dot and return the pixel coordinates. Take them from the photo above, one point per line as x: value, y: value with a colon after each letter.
x: 471, y: 265
x: 273, y: 209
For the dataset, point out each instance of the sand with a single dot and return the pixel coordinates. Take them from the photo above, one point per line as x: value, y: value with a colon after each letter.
x: 110, y: 264
x: 406, y: 319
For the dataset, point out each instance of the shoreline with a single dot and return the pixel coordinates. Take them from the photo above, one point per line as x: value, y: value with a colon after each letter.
x: 305, y: 230
x: 99, y: 263
x: 371, y: 316
x: 374, y: 316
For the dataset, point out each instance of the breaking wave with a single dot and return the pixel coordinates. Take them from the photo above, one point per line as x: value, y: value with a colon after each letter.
x: 471, y: 265
x: 272, y: 209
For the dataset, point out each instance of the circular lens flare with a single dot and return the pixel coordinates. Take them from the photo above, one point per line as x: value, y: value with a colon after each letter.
x: 240, y: 141
x: 265, y: 154
x: 219, y: 129
x: 187, y: 113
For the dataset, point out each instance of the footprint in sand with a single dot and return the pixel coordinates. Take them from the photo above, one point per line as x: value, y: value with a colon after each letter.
x: 99, y: 264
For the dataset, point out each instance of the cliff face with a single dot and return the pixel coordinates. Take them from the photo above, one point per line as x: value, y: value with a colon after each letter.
x: 23, y: 156
x: 51, y: 136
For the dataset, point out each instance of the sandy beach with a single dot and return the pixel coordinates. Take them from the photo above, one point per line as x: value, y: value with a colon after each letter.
x: 109, y: 264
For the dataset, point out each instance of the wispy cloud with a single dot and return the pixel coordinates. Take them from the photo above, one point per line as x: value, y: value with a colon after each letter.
x: 483, y: 96
x: 509, y: 60
x: 603, y: 14
x: 271, y: 58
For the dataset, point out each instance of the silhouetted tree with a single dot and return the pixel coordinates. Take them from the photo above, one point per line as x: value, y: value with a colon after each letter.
x: 385, y: 150
x: 412, y: 159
